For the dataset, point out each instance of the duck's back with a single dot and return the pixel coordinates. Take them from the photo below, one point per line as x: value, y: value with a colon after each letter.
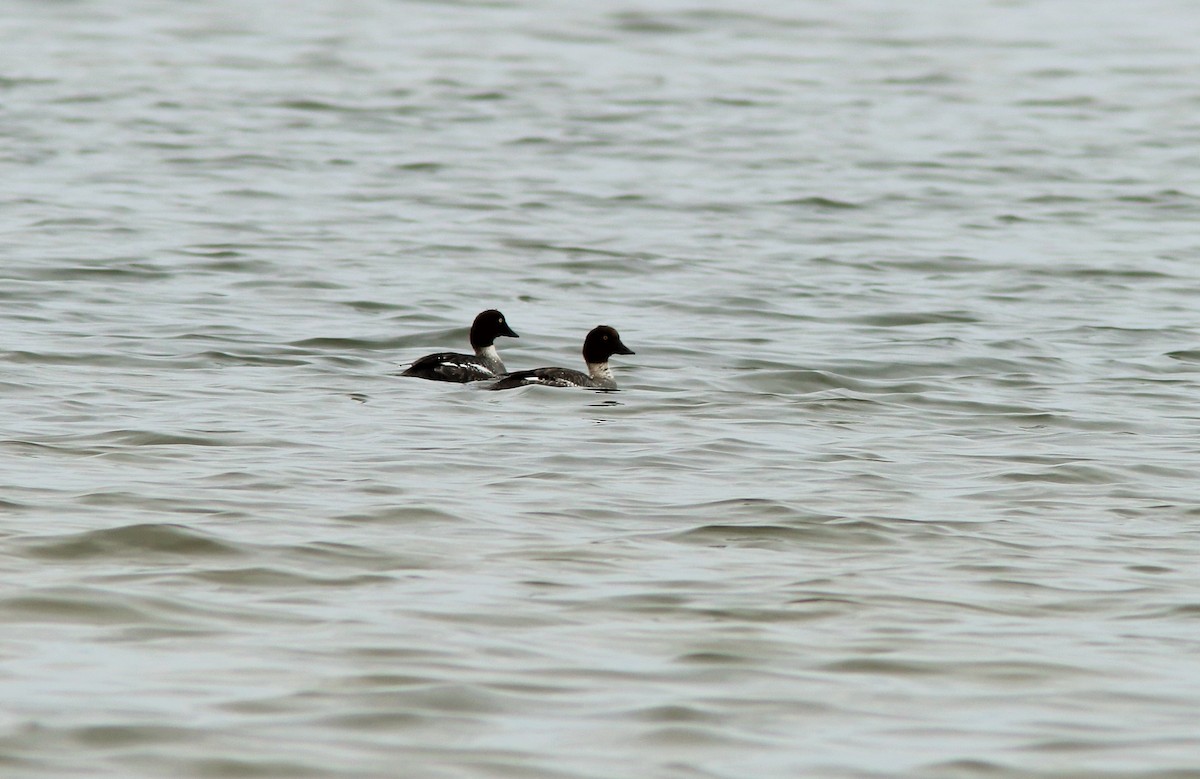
x: 450, y: 366
x: 547, y: 377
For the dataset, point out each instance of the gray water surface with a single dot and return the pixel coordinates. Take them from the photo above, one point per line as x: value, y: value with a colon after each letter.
x: 901, y: 482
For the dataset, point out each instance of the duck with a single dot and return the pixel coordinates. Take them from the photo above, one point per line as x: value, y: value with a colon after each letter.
x: 462, y: 368
x: 599, y: 345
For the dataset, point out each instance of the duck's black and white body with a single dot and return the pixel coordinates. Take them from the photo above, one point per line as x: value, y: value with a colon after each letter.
x: 601, y: 343
x: 484, y: 364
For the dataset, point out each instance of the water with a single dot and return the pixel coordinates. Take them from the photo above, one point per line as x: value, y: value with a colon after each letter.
x: 901, y: 481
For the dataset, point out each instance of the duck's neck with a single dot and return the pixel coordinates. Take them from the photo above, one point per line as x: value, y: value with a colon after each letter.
x: 600, y: 372
x: 490, y: 356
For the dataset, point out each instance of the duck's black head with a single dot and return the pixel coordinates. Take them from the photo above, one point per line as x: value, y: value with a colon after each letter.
x: 603, y: 342
x: 487, y: 326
